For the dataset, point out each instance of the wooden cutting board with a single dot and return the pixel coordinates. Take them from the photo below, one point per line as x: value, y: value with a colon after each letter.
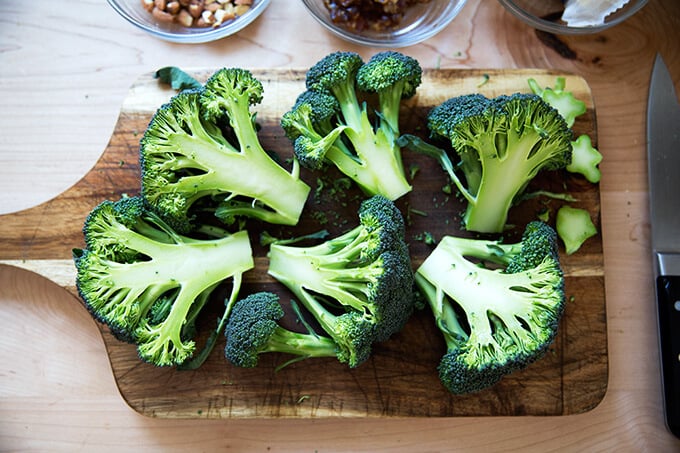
x: 400, y: 380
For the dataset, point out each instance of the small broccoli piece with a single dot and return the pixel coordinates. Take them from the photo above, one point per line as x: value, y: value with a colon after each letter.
x: 148, y: 283
x: 561, y: 99
x: 501, y: 145
x: 358, y: 285
x: 494, y: 319
x: 331, y: 121
x: 253, y: 329
x: 574, y: 226
x: 202, y: 148
x: 310, y: 125
x: 585, y: 159
x: 394, y: 77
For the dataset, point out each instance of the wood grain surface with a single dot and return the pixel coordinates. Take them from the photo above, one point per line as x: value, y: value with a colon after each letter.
x: 400, y: 379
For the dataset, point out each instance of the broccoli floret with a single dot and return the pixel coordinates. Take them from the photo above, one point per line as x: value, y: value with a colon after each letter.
x: 393, y: 76
x: 497, y: 318
x: 147, y: 282
x: 253, y: 329
x: 561, y: 99
x: 332, y: 123
x: 358, y: 285
x: 501, y: 144
x: 574, y: 227
x: 202, y: 148
x: 585, y: 159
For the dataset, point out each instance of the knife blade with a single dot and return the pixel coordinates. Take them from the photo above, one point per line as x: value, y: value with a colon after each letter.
x: 663, y: 156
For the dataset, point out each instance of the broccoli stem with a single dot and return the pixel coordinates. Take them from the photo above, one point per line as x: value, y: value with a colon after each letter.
x: 378, y: 152
x: 201, y: 357
x: 244, y: 170
x: 444, y: 314
x: 498, y: 188
x: 301, y: 344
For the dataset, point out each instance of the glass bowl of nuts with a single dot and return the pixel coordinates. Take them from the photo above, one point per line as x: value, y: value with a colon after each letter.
x: 384, y: 23
x: 190, y: 21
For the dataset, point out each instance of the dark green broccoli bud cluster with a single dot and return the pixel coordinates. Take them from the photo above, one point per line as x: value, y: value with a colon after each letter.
x: 365, y: 272
x: 147, y: 283
x: 494, y: 319
x: 331, y: 122
x: 201, y: 151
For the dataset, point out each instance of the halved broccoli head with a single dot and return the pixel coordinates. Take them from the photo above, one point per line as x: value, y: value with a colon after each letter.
x: 500, y: 145
x: 494, y: 320
x: 358, y: 285
x: 201, y: 152
x: 147, y: 283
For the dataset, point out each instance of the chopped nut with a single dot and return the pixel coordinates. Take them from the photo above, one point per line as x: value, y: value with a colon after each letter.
x: 201, y: 23
x: 230, y: 10
x: 195, y: 10
x: 240, y: 10
x: 162, y: 16
x: 208, y: 17
x: 148, y: 5
x: 184, y: 18
x: 173, y: 7
x: 160, y: 4
x: 243, y: 2
x: 220, y: 17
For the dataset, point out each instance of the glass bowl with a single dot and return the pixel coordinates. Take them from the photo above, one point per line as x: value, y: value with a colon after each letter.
x: 546, y: 15
x: 134, y: 12
x: 420, y: 22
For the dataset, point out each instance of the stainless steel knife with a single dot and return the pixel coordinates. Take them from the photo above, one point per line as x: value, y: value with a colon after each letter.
x: 663, y: 153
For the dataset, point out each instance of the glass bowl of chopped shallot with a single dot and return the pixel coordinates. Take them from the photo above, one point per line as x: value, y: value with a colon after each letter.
x: 190, y: 21
x: 571, y: 17
x: 384, y: 23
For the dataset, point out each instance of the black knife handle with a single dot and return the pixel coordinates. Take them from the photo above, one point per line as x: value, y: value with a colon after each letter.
x: 668, y: 295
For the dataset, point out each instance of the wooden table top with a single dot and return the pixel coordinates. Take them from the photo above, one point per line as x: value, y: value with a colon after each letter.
x: 65, y: 68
